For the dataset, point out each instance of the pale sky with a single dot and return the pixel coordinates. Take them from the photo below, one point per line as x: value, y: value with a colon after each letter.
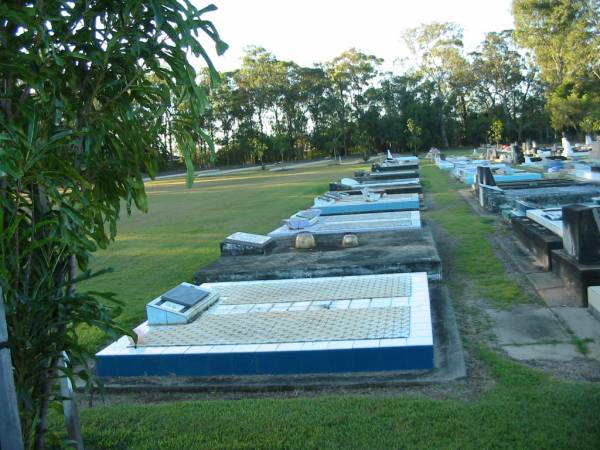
x: 310, y: 31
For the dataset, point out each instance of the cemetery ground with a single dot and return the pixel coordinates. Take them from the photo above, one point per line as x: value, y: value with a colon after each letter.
x: 501, y: 404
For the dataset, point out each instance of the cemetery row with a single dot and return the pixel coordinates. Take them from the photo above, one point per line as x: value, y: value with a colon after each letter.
x: 345, y: 286
x: 551, y: 198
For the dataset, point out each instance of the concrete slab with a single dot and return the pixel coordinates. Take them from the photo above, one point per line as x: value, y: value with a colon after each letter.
x: 580, y: 321
x: 556, y: 296
x: 377, y: 253
x: 544, y: 280
x: 551, y: 352
x: 527, y: 324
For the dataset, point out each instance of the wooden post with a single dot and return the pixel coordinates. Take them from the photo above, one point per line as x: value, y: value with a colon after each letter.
x: 10, y: 424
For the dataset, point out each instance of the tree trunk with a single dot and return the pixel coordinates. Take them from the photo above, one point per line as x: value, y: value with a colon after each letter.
x: 443, y: 132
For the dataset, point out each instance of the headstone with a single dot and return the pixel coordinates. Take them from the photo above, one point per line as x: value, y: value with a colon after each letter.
x: 581, y: 233
x: 485, y: 176
x: 350, y: 182
x: 185, y: 295
x: 246, y: 244
x: 567, y: 149
x: 595, y: 153
x: 303, y: 219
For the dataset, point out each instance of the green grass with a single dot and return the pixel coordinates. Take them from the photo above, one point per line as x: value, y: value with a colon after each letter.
x: 183, y: 228
x: 525, y: 409
x: 521, y: 408
x: 473, y: 254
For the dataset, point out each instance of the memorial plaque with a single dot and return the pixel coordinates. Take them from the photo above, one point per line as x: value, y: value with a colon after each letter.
x: 184, y: 295
x: 252, y: 240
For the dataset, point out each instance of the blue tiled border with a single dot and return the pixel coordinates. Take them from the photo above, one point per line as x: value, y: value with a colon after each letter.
x: 272, y: 363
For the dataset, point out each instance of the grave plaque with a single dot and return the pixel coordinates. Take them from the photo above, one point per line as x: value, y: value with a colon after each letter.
x: 253, y: 240
x: 246, y: 244
x: 184, y: 295
x: 581, y: 233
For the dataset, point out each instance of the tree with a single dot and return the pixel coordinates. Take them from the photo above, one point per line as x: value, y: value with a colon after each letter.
x: 350, y: 74
x: 84, y: 88
x: 565, y: 37
x: 507, y: 81
x: 437, y: 50
x: 495, y: 132
x: 414, y: 135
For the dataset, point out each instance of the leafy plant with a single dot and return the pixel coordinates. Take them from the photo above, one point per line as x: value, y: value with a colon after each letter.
x: 84, y: 87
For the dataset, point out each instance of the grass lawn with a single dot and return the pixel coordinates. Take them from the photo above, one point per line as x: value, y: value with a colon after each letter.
x: 183, y: 228
x: 520, y: 407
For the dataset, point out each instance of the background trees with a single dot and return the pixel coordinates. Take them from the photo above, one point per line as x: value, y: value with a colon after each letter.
x: 349, y: 106
x: 565, y: 38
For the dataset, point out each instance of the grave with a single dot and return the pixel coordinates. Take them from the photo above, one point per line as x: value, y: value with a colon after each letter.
x: 352, y: 184
x: 370, y: 202
x: 550, y: 218
x: 323, y: 325
x: 412, y: 250
x: 578, y: 263
x: 365, y: 177
x: 542, y: 193
x: 391, y: 167
x: 349, y: 223
x: 537, y: 239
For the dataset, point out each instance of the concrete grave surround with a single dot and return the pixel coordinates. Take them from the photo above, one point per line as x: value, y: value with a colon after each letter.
x: 551, y: 218
x: 398, y: 202
x: 356, y: 223
x: 344, y: 324
x: 411, y: 250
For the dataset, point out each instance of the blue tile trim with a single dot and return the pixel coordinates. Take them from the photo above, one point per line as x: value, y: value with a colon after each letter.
x: 404, y: 205
x: 262, y: 363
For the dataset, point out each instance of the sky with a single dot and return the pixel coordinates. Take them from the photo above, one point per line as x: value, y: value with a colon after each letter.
x: 311, y: 31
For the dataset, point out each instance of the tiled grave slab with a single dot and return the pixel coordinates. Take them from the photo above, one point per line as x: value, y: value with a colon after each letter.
x: 411, y: 250
x: 356, y: 223
x: 360, y: 206
x: 368, y: 323
x: 313, y: 289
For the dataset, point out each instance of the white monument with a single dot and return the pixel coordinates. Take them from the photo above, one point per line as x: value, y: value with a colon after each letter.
x: 567, y: 149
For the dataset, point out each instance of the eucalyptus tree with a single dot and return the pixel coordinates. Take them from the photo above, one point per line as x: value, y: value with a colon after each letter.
x: 508, y: 80
x: 83, y: 89
x: 351, y: 74
x: 437, y: 50
x: 565, y: 38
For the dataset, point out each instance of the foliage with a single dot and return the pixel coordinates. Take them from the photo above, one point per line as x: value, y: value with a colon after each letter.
x: 414, y: 134
x: 496, y: 131
x: 565, y: 37
x: 84, y: 89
